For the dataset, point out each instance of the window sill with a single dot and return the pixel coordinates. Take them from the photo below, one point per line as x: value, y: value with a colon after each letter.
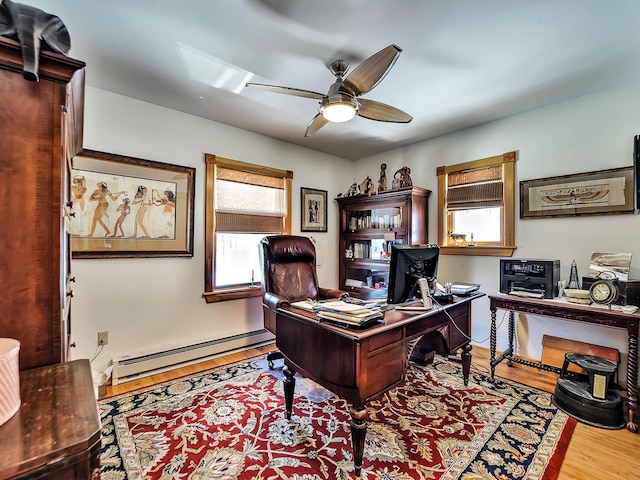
x: 481, y: 250
x: 222, y: 295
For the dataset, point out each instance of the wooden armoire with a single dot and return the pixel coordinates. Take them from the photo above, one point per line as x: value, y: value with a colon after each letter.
x: 40, y: 131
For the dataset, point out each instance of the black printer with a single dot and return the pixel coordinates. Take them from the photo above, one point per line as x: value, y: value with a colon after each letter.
x: 529, y: 277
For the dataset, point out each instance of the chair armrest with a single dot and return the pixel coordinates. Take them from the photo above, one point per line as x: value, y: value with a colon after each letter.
x: 274, y: 301
x: 330, y: 293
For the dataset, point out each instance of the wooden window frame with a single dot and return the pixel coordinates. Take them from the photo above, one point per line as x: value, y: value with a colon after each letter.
x: 212, y: 294
x: 507, y: 246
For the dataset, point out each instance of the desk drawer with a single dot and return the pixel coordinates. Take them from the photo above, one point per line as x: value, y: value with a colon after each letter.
x: 426, y: 324
x: 385, y: 368
x: 383, y: 339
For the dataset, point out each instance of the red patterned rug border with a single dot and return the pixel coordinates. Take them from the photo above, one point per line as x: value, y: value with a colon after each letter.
x: 552, y: 470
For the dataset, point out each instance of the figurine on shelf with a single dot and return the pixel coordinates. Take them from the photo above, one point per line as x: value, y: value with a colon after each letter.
x: 354, y: 189
x: 574, y: 281
x: 402, y: 178
x: 457, y: 239
x: 366, y: 187
x: 382, y: 183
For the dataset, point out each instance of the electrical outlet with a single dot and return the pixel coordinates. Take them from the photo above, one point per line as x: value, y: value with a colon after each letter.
x: 103, y: 338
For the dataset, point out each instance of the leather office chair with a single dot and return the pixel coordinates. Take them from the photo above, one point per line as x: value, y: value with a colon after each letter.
x: 288, y: 275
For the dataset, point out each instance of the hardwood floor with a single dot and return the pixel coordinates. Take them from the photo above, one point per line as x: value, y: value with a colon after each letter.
x: 593, y: 454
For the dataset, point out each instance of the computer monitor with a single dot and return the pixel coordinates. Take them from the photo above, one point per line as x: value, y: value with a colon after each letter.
x: 408, y: 264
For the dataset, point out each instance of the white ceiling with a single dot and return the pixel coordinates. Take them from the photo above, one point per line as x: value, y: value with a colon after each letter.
x: 464, y: 62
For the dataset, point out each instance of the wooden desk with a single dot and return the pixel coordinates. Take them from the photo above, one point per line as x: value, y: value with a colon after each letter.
x: 361, y: 364
x: 56, y: 432
x: 574, y: 312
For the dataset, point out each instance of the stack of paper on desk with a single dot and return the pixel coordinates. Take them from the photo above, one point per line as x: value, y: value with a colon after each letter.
x: 372, y: 303
x: 341, y: 312
x: 358, y: 319
x: 464, y: 288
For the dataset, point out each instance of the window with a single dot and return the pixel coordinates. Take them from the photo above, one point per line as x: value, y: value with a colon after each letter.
x: 244, y: 202
x: 476, y: 207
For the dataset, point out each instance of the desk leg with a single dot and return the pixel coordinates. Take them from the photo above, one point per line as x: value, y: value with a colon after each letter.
x: 511, y: 335
x: 466, y: 362
x: 289, y: 387
x: 632, y: 378
x: 492, y: 344
x: 358, y: 435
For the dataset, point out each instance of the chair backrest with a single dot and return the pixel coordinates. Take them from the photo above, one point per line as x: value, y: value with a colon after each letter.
x: 289, y: 267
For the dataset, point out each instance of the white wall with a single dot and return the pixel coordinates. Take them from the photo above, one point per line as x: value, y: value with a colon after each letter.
x: 151, y: 304
x: 589, y: 133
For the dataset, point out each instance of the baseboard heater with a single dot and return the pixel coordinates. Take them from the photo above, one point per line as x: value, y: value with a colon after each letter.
x: 130, y: 368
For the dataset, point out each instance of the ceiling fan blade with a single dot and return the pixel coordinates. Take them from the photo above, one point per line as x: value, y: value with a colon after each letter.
x: 382, y: 112
x: 371, y: 71
x: 287, y: 91
x: 316, y: 124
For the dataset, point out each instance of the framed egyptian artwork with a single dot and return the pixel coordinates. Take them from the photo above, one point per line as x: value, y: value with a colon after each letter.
x: 603, y: 192
x: 129, y: 207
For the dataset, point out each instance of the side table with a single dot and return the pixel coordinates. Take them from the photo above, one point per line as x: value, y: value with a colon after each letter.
x: 575, y: 313
x: 56, y: 433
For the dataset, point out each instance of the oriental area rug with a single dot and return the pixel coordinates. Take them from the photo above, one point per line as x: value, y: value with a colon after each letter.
x: 230, y: 423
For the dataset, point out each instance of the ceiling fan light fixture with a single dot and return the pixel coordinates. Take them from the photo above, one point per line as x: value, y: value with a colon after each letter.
x: 339, y: 108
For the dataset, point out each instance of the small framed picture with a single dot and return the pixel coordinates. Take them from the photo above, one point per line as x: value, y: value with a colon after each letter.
x: 313, y: 210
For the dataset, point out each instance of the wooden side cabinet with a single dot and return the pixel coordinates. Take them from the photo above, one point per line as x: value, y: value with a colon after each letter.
x: 41, y: 131
x: 56, y: 434
x: 369, y: 225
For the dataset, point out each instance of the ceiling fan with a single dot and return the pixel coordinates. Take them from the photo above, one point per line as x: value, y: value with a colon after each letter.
x: 342, y: 102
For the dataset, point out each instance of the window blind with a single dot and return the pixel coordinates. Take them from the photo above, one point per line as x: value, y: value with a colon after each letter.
x: 478, y: 188
x: 247, y: 202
